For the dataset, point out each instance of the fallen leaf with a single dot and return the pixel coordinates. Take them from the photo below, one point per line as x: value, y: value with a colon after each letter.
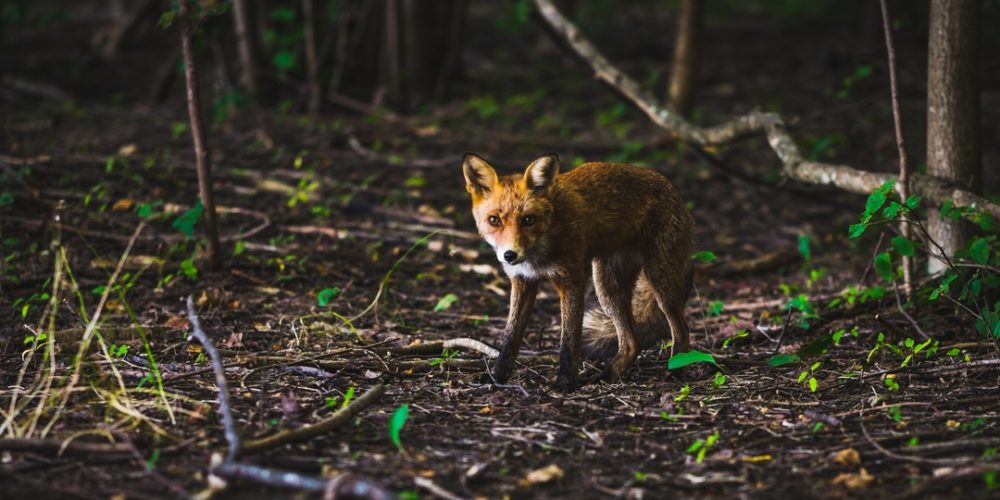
x: 545, y: 474
x: 127, y: 150
x: 123, y: 205
x: 176, y: 322
x: 235, y: 340
x: 757, y: 458
x: 847, y: 456
x: 854, y: 481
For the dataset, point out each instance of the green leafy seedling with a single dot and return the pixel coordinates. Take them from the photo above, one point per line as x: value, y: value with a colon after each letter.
x: 396, y: 423
x: 686, y: 358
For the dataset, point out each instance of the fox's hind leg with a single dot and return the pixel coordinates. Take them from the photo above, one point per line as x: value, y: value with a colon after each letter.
x: 614, y: 280
x: 671, y: 282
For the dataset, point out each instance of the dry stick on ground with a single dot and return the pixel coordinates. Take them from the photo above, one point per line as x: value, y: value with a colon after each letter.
x: 225, y: 408
x: 904, y: 171
x: 198, y: 137
x: 795, y: 166
x: 338, y: 486
x: 319, y: 428
x: 910, y: 458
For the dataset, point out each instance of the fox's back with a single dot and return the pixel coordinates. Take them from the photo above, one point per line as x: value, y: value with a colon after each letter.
x: 622, y: 203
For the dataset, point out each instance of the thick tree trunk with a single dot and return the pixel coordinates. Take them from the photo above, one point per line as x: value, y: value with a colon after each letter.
x: 687, y: 55
x: 954, y: 148
x: 203, y: 164
x: 246, y: 46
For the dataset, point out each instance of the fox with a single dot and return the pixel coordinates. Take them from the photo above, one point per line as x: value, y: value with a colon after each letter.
x: 625, y: 226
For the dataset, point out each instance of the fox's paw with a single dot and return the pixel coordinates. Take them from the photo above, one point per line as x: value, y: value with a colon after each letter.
x: 565, y: 384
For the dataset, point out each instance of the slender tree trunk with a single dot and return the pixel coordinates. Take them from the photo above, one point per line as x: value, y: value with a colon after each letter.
x: 245, y: 43
x: 312, y: 62
x: 954, y: 148
x: 687, y: 55
x: 456, y: 30
x: 198, y: 137
x: 416, y: 86
x: 897, y: 118
x: 392, y: 65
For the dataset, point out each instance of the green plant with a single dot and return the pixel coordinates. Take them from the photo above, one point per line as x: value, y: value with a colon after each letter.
x: 446, y: 355
x: 700, y: 447
x: 396, y: 423
x: 809, y: 376
x: 686, y: 358
x: 445, y: 302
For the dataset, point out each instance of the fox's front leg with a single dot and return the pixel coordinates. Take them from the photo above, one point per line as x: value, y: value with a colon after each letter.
x: 571, y: 293
x: 522, y: 298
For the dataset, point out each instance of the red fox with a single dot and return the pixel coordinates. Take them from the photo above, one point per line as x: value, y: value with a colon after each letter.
x: 626, y: 223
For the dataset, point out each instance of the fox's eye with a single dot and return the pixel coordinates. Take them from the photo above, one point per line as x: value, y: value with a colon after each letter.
x: 527, y: 220
x: 494, y: 221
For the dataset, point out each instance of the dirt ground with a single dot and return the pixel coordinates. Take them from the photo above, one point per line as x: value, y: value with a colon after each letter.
x: 316, y: 232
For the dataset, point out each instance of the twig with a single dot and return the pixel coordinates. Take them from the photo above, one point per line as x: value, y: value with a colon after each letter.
x: 781, y: 334
x: 225, y: 408
x: 904, y: 171
x: 902, y: 310
x: 471, y: 344
x: 433, y: 487
x: 60, y: 447
x: 322, y: 427
x: 795, y: 165
x: 909, y: 458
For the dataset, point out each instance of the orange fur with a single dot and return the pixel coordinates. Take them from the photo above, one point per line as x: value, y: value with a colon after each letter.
x: 625, y: 224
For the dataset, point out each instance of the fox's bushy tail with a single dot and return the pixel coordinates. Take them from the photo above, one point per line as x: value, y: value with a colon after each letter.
x: 600, y: 339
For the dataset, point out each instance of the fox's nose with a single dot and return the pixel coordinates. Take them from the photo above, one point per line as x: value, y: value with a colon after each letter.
x: 510, y: 256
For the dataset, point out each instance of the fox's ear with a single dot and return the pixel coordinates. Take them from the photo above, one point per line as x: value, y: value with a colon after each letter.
x: 480, y: 178
x: 542, y: 172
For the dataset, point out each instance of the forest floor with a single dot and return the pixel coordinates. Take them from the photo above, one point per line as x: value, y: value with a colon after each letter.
x: 316, y: 230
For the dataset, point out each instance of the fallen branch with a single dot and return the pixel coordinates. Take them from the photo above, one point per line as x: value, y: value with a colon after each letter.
x: 438, y: 346
x: 795, y: 166
x: 342, y: 486
x: 319, y: 428
x: 225, y: 408
x: 60, y: 447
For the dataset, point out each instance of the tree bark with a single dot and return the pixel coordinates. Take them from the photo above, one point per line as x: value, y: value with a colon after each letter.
x: 954, y: 147
x: 795, y: 166
x: 312, y: 61
x: 201, y: 154
x: 246, y: 46
x: 687, y: 57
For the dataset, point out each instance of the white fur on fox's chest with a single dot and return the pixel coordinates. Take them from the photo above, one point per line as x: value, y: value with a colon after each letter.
x: 527, y: 270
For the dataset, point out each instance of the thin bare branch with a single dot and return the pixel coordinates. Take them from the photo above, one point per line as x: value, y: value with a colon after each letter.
x: 904, y: 171
x: 225, y: 408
